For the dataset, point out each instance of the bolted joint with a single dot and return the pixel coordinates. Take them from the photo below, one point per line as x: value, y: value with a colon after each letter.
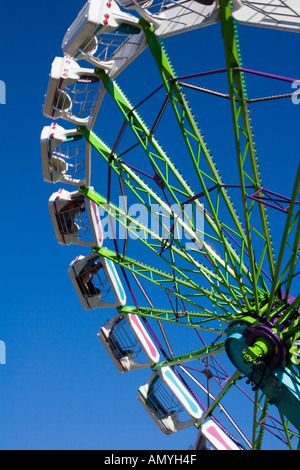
x: 259, y: 350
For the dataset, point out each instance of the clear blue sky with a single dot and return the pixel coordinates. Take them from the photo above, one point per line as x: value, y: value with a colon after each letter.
x: 59, y: 390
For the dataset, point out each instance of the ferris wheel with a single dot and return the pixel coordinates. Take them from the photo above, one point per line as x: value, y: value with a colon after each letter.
x: 198, y: 265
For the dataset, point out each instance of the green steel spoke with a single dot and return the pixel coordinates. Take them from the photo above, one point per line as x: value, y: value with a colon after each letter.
x: 187, y: 318
x: 147, y: 141
x: 121, y: 168
x: 258, y: 430
x: 132, y: 117
x: 217, y: 402
x: 192, y: 356
x: 127, y: 221
x: 288, y: 312
x: 161, y: 278
x: 230, y: 382
x: 286, y: 431
x: 277, y: 279
x: 254, y: 428
x: 246, y: 153
x: 293, y: 259
x: 291, y: 263
x: 292, y: 332
x: 185, y: 117
x: 261, y: 406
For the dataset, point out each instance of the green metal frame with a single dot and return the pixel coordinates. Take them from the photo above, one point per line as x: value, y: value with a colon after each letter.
x: 234, y: 291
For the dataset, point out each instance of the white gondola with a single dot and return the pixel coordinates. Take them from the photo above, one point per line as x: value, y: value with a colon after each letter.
x: 97, y: 17
x: 217, y: 437
x: 132, y: 4
x: 104, y: 36
x: 65, y: 156
x: 284, y: 15
x: 97, y: 282
x: 128, y: 343
x: 110, y: 38
x: 72, y: 92
x: 175, y: 17
x: 75, y: 219
x: 166, y: 398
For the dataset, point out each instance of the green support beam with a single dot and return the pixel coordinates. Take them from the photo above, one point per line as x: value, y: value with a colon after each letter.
x: 245, y: 145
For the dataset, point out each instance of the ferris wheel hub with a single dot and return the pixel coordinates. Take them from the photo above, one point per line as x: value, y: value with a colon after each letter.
x: 257, y: 343
x: 264, y: 344
x: 260, y: 349
x: 258, y: 352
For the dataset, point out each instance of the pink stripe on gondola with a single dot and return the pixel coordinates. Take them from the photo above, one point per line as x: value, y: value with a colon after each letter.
x: 152, y: 349
x: 213, y: 431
